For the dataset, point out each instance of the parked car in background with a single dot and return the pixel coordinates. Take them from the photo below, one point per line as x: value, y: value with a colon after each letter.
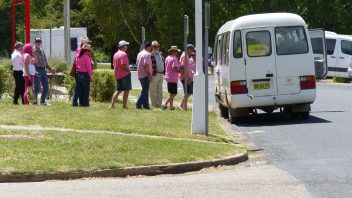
x: 339, y: 54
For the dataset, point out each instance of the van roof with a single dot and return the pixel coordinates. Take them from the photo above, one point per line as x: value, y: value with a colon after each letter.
x: 334, y: 35
x: 263, y: 20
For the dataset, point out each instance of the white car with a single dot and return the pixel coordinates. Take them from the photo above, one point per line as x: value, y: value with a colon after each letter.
x: 349, y: 71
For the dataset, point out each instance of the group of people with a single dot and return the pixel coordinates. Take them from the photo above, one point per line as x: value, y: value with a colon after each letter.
x: 29, y: 66
x: 152, y: 69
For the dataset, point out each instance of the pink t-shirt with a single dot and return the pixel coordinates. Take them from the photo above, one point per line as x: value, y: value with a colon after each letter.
x: 84, y: 64
x: 189, y: 65
x: 170, y: 63
x: 120, y: 58
x: 144, y: 58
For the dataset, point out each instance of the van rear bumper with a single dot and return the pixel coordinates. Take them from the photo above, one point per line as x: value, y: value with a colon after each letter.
x: 245, y: 101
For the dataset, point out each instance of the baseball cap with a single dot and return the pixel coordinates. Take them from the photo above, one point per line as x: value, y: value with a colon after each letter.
x: 38, y: 39
x: 155, y: 43
x: 123, y: 43
x: 190, y: 46
x: 147, y: 44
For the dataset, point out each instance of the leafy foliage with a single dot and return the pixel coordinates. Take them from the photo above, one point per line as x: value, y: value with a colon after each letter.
x: 102, y: 86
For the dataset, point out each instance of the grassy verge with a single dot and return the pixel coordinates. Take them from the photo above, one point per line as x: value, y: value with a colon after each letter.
x: 28, y: 152
x: 100, y: 117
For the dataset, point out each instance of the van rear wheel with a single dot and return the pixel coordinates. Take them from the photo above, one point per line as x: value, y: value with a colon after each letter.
x: 224, y: 112
x: 238, y: 115
x: 305, y: 115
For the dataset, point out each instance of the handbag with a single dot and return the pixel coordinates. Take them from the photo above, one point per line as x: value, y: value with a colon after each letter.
x: 73, y: 70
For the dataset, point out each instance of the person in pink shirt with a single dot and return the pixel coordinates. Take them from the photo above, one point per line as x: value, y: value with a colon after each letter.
x: 188, y: 53
x: 171, y: 76
x: 122, y: 74
x: 145, y: 72
x: 28, y: 73
x: 83, y: 76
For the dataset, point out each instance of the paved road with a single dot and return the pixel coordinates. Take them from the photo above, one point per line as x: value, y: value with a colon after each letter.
x: 299, y: 159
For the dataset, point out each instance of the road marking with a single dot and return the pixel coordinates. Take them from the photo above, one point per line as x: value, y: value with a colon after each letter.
x: 255, y: 132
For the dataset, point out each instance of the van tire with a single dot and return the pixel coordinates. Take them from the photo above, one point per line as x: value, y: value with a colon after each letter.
x: 238, y: 115
x: 224, y: 112
x: 294, y: 116
x: 305, y: 115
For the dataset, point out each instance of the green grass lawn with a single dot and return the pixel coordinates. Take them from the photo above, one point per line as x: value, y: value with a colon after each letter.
x: 29, y: 152
x: 100, y: 117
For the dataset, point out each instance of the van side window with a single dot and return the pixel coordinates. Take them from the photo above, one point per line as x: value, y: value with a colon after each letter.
x: 223, y: 51
x: 330, y: 46
x: 218, y: 50
x: 346, y: 47
x: 237, y: 45
x: 291, y: 40
x: 258, y: 44
x: 227, y: 45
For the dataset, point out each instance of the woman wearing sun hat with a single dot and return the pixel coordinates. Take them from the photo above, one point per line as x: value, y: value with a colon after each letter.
x: 171, y: 75
x: 83, y: 76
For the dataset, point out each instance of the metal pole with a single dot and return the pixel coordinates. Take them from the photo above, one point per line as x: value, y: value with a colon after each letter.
x: 67, y: 27
x: 13, y: 33
x: 185, y: 69
x: 198, y: 111
x: 206, y: 55
x: 28, y: 20
x: 143, y: 38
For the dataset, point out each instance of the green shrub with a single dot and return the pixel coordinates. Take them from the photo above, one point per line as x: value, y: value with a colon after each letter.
x: 70, y: 85
x: 102, y: 86
x: 59, y: 64
x: 5, y: 62
x: 341, y: 80
x: 101, y: 57
x: 7, y: 83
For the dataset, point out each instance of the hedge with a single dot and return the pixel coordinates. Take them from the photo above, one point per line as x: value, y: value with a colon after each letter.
x: 102, y: 87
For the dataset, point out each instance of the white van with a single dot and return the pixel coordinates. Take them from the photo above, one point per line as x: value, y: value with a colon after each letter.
x: 339, y: 52
x: 266, y: 61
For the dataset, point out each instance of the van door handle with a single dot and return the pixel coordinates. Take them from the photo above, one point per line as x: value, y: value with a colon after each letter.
x: 269, y: 75
x: 342, y: 58
x: 333, y: 56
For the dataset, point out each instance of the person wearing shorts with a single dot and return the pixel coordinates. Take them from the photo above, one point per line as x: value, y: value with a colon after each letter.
x: 171, y: 76
x: 188, y: 53
x: 122, y: 75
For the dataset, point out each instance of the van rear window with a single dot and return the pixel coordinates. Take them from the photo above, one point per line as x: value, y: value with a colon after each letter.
x: 258, y: 44
x: 291, y: 40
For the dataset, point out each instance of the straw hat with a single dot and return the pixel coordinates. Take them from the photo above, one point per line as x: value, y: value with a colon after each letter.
x: 87, y: 47
x: 174, y: 48
x: 85, y: 40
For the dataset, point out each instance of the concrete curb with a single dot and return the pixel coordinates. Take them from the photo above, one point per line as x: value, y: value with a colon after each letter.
x: 176, y: 168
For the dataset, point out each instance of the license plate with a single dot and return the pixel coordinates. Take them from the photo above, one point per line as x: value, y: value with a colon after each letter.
x: 259, y: 86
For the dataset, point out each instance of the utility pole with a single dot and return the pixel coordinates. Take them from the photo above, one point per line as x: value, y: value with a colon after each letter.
x: 67, y: 27
x: 205, y: 59
x: 198, y: 114
x: 185, y: 69
x: 143, y: 38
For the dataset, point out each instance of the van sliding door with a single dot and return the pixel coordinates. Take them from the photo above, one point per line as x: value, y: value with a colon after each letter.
x: 317, y: 38
x: 260, y: 62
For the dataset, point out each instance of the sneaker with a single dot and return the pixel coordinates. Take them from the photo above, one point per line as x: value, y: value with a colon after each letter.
x: 44, y: 104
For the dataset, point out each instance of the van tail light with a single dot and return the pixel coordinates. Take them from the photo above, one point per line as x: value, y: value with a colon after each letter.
x: 239, y: 87
x: 308, y: 82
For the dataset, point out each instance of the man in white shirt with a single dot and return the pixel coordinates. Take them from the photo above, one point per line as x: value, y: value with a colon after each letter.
x: 156, y: 84
x: 17, y: 67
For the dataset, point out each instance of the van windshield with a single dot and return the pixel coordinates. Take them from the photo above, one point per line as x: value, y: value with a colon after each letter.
x: 291, y: 40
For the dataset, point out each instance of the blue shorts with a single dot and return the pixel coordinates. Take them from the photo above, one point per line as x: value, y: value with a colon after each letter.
x: 124, y: 84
